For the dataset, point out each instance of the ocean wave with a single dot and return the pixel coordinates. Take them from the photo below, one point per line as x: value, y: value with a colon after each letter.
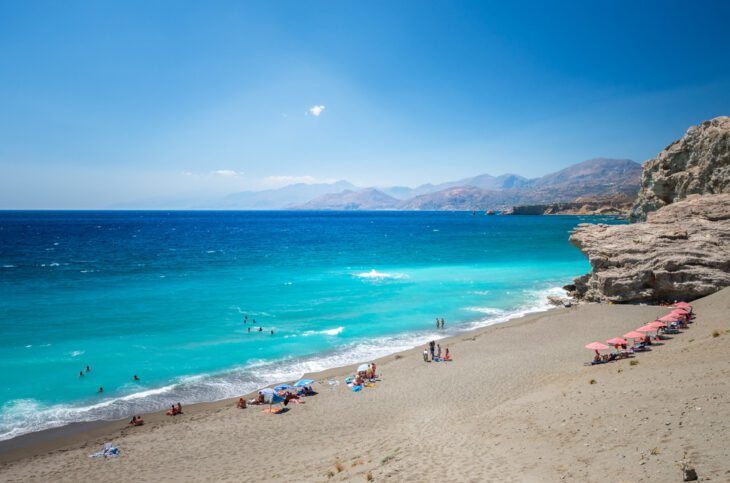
x: 334, y: 331
x: 8, y: 265
x: 485, y: 310
x: 537, y: 302
x: 375, y: 275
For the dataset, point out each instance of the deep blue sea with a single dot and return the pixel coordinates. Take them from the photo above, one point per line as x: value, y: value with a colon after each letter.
x: 164, y: 296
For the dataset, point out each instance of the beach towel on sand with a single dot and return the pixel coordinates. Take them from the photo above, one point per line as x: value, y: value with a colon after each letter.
x: 106, y: 451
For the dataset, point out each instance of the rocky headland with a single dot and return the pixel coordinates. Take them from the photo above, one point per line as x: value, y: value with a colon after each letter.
x: 682, y: 248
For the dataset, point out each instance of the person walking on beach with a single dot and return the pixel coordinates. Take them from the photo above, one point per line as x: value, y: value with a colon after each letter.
x: 431, y: 348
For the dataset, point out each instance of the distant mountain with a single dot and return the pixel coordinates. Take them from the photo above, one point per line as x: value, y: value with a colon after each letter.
x: 281, y: 198
x: 620, y: 174
x: 366, y: 199
x: 594, y: 178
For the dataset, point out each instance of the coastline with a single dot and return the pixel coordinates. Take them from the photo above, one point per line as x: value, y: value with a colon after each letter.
x: 515, y: 404
x: 76, y: 433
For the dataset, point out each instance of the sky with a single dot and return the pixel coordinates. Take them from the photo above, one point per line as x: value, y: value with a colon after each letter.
x: 106, y: 102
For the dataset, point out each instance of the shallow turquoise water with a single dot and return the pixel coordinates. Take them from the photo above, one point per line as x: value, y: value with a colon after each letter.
x: 163, y: 296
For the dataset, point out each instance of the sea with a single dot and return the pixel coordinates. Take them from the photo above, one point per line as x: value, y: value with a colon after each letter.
x: 177, y: 299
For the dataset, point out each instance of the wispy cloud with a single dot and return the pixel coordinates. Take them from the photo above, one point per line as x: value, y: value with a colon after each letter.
x: 316, y: 110
x: 228, y: 173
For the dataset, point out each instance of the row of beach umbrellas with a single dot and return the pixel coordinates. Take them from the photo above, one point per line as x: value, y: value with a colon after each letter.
x: 681, y: 311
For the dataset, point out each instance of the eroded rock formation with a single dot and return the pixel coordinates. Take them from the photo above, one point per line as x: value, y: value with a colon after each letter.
x: 698, y: 163
x: 682, y: 252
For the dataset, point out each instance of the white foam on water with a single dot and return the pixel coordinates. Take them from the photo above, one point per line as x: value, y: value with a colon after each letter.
x: 76, y: 353
x: 334, y: 331
x: 375, y: 275
x: 485, y: 310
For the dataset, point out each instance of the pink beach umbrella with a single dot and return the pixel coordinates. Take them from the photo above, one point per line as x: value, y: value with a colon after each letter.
x: 683, y: 305
x: 679, y: 313
x: 596, y: 346
x: 668, y: 318
x: 656, y: 324
x: 646, y: 328
x: 634, y: 335
x: 617, y: 340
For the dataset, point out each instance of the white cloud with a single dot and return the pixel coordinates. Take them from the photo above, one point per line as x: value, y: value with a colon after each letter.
x: 316, y: 110
x: 228, y: 173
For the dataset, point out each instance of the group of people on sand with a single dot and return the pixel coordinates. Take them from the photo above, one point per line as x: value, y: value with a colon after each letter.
x: 136, y: 421
x: 439, y: 323
x: 363, y: 378
x: 174, y: 410
x: 286, y: 396
x: 434, y: 351
x: 253, y: 322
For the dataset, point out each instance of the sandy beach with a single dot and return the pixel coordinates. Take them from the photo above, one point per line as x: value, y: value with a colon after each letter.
x: 516, y: 404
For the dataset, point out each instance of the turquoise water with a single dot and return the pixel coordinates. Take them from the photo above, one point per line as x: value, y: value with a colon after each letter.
x: 164, y: 295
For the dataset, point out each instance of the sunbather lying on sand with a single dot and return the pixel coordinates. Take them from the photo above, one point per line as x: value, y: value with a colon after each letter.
x: 136, y: 421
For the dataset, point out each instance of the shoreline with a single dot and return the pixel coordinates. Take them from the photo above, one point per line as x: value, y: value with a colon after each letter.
x: 69, y: 435
x: 517, y: 403
x: 467, y: 326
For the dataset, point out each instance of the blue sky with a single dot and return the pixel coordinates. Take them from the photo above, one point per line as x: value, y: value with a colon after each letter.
x: 105, y: 102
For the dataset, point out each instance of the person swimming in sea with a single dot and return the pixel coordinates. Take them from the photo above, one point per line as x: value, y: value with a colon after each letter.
x: 88, y: 369
x: 249, y: 330
x: 136, y: 377
x: 81, y: 373
x: 261, y: 329
x: 101, y: 389
x: 272, y: 331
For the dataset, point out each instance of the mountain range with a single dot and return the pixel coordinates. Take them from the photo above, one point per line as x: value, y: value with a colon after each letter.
x: 595, y: 178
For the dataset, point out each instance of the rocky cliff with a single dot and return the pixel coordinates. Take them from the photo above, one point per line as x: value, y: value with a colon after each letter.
x: 682, y: 249
x: 681, y: 252
x: 698, y: 163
